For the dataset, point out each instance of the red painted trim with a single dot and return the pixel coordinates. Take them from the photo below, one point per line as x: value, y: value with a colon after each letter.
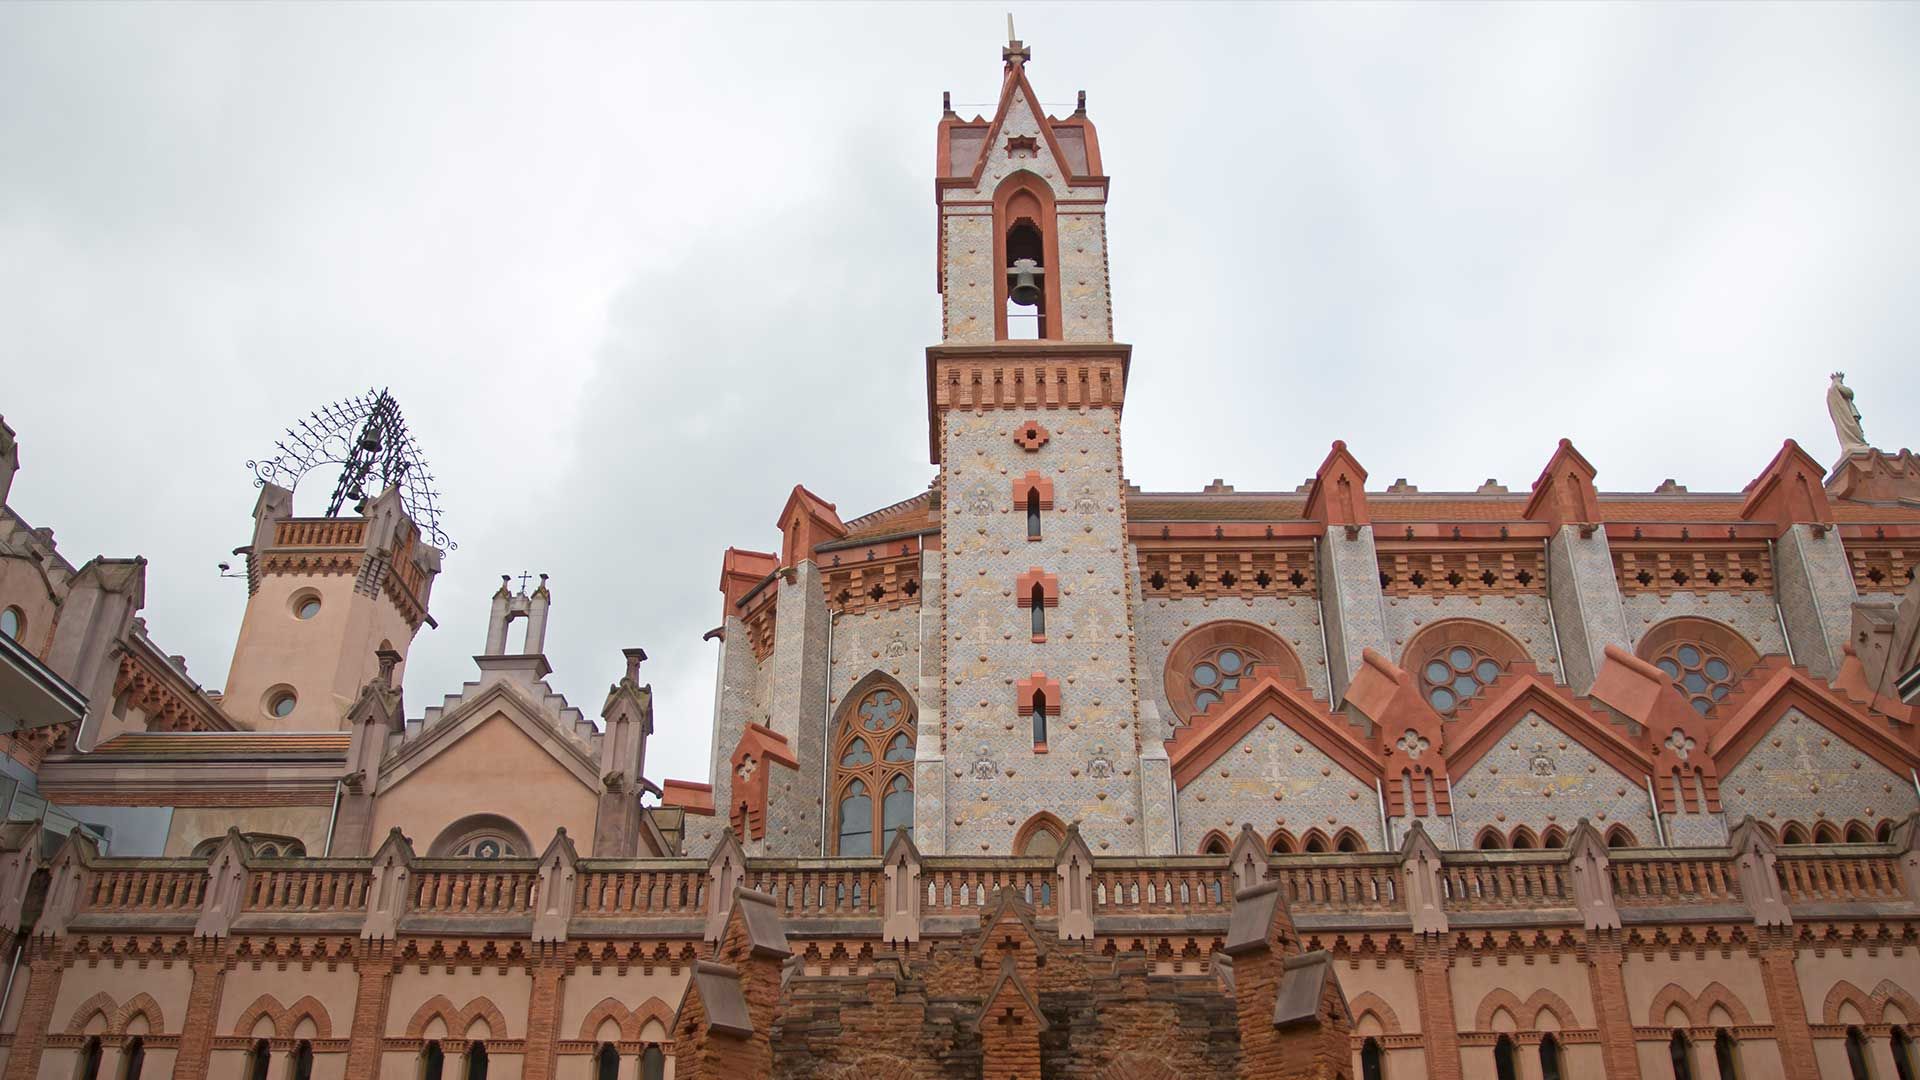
x: 1792, y: 688
x: 1200, y: 744
x: 1522, y: 691
x: 1031, y: 184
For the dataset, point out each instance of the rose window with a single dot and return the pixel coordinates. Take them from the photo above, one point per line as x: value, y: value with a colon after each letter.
x: 1218, y: 674
x: 1700, y: 674
x: 1455, y: 676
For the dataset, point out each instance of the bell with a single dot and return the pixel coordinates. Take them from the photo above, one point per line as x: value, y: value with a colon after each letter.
x: 1026, y: 282
x: 370, y: 442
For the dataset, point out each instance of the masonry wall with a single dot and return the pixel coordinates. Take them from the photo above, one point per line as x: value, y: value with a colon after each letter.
x: 1749, y: 612
x: 1162, y: 622
x: 1538, y: 775
x: 1089, y: 769
x: 1523, y: 616
x: 1274, y: 779
x: 1800, y: 771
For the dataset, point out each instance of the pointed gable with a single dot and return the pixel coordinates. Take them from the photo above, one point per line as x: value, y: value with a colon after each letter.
x: 1338, y: 496
x: 1564, y: 493
x: 741, y: 571
x: 1409, y: 733
x: 806, y: 522
x: 760, y: 747
x: 1789, y: 491
x: 1481, y: 724
x: 1770, y: 692
x: 1201, y: 743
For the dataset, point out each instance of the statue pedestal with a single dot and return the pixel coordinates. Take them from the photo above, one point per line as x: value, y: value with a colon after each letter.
x: 1876, y: 476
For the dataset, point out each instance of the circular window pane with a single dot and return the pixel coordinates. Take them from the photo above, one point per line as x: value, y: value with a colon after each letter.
x: 1461, y: 659
x: 1701, y: 705
x: 1695, y: 682
x: 1230, y: 662
x: 308, y: 608
x: 1205, y: 674
x: 1203, y: 699
x: 1689, y: 656
x: 282, y: 705
x: 1717, y: 669
x: 1486, y: 671
x: 1719, y: 692
x: 1438, y: 672
x: 1672, y: 669
x: 1442, y: 698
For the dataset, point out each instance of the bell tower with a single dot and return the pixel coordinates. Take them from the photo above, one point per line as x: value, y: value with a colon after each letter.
x: 326, y: 594
x: 1038, y: 710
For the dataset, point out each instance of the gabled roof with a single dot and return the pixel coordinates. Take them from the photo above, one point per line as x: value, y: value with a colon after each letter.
x: 1774, y: 687
x: 467, y: 714
x: 1201, y: 742
x: 1014, y: 81
x: 1479, y: 725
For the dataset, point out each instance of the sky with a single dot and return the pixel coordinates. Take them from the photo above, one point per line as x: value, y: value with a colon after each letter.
x: 633, y: 272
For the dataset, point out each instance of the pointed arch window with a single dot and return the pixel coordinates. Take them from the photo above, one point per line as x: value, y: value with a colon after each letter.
x: 1504, y: 1066
x: 476, y: 1061
x: 259, y: 1060
x: 133, y: 1058
x: 606, y: 1063
x: 1373, y: 1064
x: 1857, y: 1054
x: 1725, y: 1058
x: 1904, y: 1066
x: 873, y: 772
x: 1680, y: 1053
x: 653, y: 1063
x: 302, y: 1061
x: 1550, y: 1064
x: 433, y: 1061
x: 89, y: 1060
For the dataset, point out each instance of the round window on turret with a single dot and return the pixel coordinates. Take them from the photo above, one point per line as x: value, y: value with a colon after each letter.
x: 12, y: 623
x: 281, y: 703
x: 306, y: 605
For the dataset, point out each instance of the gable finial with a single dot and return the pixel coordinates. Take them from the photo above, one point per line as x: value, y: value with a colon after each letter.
x: 1016, y: 51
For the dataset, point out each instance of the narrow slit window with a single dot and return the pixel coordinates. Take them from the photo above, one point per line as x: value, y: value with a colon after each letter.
x: 1039, y: 719
x: 1039, y: 605
x: 1033, y: 514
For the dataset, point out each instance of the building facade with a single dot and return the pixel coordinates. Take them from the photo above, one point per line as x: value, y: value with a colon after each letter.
x: 1031, y: 774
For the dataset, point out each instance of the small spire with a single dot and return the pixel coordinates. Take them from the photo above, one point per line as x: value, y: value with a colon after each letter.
x: 635, y: 657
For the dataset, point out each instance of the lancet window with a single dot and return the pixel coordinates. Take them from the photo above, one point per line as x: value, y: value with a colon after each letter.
x: 873, y: 771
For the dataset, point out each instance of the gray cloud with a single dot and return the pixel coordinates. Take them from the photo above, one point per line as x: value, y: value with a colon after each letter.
x: 635, y: 271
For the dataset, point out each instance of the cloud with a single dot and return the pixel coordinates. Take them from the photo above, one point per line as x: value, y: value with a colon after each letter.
x: 635, y: 271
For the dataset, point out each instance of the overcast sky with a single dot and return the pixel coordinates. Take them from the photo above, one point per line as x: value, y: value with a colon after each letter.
x: 633, y: 272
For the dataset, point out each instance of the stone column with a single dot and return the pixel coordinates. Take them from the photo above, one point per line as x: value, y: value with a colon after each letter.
x: 1791, y: 1033
x: 1612, y: 1014
x: 369, y: 1010
x: 1816, y: 594
x: 543, y: 1013
x: 1433, y: 977
x: 203, y: 1010
x: 734, y: 679
x: 45, y: 969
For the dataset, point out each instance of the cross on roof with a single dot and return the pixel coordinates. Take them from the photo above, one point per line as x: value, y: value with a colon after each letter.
x: 524, y: 575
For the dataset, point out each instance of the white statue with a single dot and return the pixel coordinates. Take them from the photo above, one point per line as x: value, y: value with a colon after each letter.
x: 1846, y: 418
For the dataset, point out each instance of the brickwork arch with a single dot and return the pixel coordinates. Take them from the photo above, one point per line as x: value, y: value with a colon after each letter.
x: 631, y: 1021
x: 1041, y: 822
x: 1525, y: 1013
x: 1872, y: 1007
x: 286, y: 1018
x: 1698, y: 1008
x: 1383, y: 1013
x: 98, y: 1005
x: 458, y: 1021
x: 141, y: 1005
